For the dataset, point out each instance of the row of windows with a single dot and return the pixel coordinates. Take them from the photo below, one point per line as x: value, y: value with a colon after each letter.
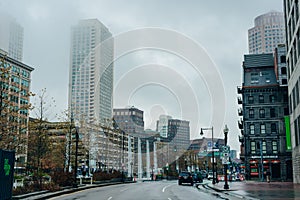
x: 257, y: 147
x: 262, y: 113
x: 263, y: 129
x: 261, y: 99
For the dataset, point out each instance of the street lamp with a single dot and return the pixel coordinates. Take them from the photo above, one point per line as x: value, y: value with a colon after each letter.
x: 226, y: 186
x: 76, y: 156
x: 213, y: 153
x: 123, y: 155
x: 131, y: 164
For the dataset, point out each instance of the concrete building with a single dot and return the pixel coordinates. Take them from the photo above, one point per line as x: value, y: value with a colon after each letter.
x: 91, y: 71
x: 14, y: 100
x: 11, y: 37
x: 267, y: 33
x: 291, y: 13
x: 131, y: 121
x: 264, y: 139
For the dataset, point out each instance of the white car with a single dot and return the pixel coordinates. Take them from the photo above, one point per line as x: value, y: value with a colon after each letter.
x: 210, y: 175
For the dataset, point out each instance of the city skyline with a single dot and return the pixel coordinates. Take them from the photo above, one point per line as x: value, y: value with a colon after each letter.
x: 209, y: 30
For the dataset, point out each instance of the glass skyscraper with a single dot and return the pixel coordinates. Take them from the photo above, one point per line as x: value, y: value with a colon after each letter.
x: 91, y: 71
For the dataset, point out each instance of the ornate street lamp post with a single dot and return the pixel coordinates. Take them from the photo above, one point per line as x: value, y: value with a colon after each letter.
x: 226, y: 186
x: 213, y: 153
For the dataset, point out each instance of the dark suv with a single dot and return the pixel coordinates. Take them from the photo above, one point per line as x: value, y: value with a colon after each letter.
x: 185, y: 177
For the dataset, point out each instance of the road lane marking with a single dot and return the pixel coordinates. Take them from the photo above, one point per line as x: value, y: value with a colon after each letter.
x: 163, y: 190
x: 109, y: 198
x: 169, y: 199
x: 124, y: 190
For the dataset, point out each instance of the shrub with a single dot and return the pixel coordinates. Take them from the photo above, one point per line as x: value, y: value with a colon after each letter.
x: 63, y: 178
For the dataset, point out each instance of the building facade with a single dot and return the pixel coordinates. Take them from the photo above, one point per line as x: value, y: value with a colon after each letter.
x: 14, y: 106
x: 162, y: 125
x: 11, y: 37
x: 91, y: 71
x: 264, y: 110
x: 131, y: 121
x: 291, y: 13
x: 267, y: 33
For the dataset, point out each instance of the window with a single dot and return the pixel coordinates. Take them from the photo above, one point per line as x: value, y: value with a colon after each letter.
x: 272, y: 99
x: 253, y: 149
x: 283, y: 70
x: 273, y: 128
x: 251, y: 113
x: 274, y: 147
x: 250, y: 99
x: 262, y: 113
x: 261, y: 99
x: 264, y: 147
x: 263, y: 129
x: 251, y: 129
x: 284, y: 81
x: 272, y: 112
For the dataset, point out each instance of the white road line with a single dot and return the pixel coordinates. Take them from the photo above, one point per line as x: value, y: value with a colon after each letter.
x: 109, y: 198
x: 163, y: 190
x: 124, y: 190
x: 169, y: 199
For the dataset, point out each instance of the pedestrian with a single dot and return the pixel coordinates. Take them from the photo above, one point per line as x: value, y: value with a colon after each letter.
x: 268, y: 174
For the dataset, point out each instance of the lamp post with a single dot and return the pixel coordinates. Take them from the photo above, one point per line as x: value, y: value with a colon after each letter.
x: 131, y: 163
x: 226, y: 186
x: 123, y: 155
x: 213, y: 153
x: 76, y: 157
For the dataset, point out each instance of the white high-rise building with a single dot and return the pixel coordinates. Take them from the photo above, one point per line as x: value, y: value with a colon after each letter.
x: 291, y: 11
x: 91, y: 71
x: 11, y: 37
x: 267, y: 33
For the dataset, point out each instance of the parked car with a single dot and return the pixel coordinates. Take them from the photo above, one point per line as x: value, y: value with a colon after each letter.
x: 210, y: 175
x: 197, y: 177
x: 204, y: 173
x: 185, y: 177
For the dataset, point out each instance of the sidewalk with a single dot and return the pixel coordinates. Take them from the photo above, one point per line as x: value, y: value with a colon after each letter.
x: 47, y: 194
x: 260, y: 190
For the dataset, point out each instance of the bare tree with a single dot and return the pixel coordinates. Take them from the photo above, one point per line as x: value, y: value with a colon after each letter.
x: 39, y: 142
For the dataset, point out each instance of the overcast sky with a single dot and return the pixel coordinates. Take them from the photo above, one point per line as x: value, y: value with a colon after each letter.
x: 218, y: 27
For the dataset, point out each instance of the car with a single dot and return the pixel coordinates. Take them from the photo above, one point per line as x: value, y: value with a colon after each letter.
x: 185, y: 177
x: 204, y: 173
x: 197, y: 177
x: 210, y: 175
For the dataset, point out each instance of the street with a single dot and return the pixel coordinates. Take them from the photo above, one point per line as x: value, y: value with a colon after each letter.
x: 160, y: 190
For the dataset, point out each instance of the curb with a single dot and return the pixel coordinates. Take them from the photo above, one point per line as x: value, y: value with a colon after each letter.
x: 47, y: 194
x: 230, y: 193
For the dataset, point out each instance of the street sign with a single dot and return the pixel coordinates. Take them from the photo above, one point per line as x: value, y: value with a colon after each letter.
x: 226, y: 149
x: 225, y: 160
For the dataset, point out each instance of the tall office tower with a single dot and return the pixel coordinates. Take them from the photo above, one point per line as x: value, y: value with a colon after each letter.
x: 291, y: 12
x: 265, y: 136
x: 267, y: 33
x: 14, y: 106
x: 11, y: 37
x: 174, y: 131
x: 91, y: 71
x: 162, y: 125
